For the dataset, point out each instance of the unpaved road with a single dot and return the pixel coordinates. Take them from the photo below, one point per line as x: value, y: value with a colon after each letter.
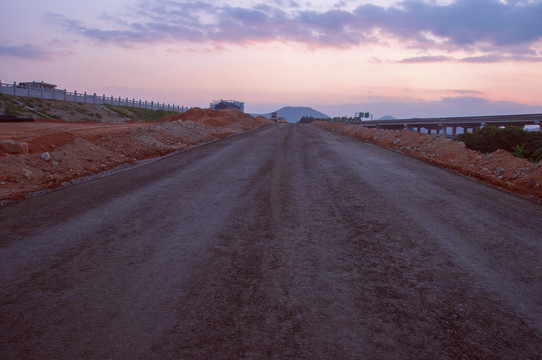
x: 287, y: 242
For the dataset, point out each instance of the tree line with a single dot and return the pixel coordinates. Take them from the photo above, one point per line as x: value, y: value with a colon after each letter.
x: 519, y: 142
x: 309, y: 119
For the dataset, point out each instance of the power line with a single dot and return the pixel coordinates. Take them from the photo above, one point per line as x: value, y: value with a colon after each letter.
x: 6, y: 77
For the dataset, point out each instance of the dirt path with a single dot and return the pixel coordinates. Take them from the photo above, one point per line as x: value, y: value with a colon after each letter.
x: 500, y: 168
x: 287, y: 242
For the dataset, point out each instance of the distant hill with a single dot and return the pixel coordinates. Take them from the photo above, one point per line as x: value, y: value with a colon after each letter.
x: 387, y: 117
x: 292, y: 114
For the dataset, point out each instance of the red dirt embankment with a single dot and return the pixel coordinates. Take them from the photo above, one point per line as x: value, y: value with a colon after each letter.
x: 47, y: 154
x: 500, y: 168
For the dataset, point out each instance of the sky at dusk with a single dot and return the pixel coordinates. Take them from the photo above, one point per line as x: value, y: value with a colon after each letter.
x: 414, y: 58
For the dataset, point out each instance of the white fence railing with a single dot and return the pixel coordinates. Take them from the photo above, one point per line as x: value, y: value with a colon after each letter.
x: 54, y: 94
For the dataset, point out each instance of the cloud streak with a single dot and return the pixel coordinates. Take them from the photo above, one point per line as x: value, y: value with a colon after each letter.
x: 463, y: 24
x: 447, y: 106
x: 482, y: 59
x: 426, y: 59
x: 26, y: 52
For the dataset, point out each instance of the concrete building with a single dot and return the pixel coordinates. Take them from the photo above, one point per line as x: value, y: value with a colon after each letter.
x: 37, y: 85
x: 228, y: 104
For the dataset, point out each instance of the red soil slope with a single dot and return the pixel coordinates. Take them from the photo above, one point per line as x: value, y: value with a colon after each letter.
x: 49, y: 154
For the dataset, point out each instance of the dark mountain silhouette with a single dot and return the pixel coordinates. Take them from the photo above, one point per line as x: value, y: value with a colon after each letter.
x: 292, y: 114
x: 387, y: 117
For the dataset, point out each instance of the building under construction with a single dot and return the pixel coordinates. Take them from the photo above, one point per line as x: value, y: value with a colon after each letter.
x: 228, y: 104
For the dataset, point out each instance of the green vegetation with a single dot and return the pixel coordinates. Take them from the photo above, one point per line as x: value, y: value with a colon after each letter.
x: 309, y: 119
x: 537, y: 155
x: 119, y: 110
x: 23, y: 106
x: 519, y: 151
x: 91, y: 119
x: 10, y: 107
x: 29, y: 101
x: 520, y: 143
x: 82, y: 110
x: 11, y: 110
x: 140, y: 114
x: 344, y: 119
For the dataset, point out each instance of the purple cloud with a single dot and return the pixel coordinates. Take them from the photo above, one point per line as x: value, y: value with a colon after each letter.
x: 494, y: 58
x: 29, y: 52
x: 488, y: 58
x: 465, y: 92
x: 426, y: 59
x: 465, y: 24
x: 447, y: 106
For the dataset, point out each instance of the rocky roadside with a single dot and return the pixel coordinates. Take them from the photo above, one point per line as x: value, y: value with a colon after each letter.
x: 500, y: 168
x: 30, y: 164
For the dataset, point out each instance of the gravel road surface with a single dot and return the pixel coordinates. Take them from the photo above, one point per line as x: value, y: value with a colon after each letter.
x: 288, y: 242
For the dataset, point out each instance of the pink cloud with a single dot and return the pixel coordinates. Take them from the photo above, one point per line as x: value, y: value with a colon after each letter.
x: 461, y: 24
x: 26, y: 52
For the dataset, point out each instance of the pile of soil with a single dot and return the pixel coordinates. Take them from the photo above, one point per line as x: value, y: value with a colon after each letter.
x: 48, y: 154
x: 500, y: 168
x: 231, y: 118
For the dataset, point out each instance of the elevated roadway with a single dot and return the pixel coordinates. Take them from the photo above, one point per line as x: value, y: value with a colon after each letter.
x: 441, y: 125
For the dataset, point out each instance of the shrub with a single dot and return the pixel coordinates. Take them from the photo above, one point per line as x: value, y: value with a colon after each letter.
x: 513, y: 139
x: 12, y: 110
x: 519, y: 151
x: 537, y: 155
x: 140, y: 114
x: 82, y: 110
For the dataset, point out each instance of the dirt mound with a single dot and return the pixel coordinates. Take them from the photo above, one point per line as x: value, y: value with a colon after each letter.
x: 499, y: 168
x: 217, y: 118
x: 56, y: 153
